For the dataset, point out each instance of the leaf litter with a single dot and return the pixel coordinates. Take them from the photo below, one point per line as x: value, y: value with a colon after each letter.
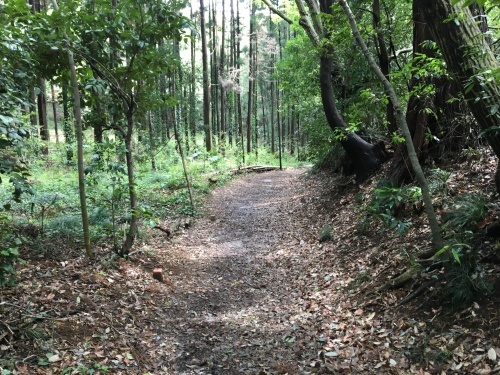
x: 248, y: 289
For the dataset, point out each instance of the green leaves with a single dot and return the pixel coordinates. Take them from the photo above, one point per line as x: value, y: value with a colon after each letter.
x: 9, y: 250
x: 466, y: 3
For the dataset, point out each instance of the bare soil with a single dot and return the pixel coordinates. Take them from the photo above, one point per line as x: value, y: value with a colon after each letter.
x: 249, y: 289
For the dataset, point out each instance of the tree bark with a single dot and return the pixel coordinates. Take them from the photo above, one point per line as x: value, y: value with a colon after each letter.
x: 207, y: 123
x: 42, y: 115
x: 384, y: 61
x: 54, y: 110
x: 79, y: 135
x: 468, y: 56
x: 132, y: 229
x: 418, y: 117
x: 251, y: 79
x: 366, y: 158
x: 400, y: 118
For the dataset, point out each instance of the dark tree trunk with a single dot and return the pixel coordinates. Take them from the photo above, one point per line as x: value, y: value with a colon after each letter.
x: 54, y: 110
x: 42, y: 116
x: 33, y: 108
x: 251, y: 80
x: 467, y: 55
x: 99, y: 123
x: 365, y: 157
x: 418, y: 117
x: 67, y: 124
x: 207, y: 123
x: 384, y: 61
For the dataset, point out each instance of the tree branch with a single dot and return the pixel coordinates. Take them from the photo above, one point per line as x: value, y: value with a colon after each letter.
x: 278, y: 12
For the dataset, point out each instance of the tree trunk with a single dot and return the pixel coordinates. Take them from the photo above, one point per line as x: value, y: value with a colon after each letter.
x: 192, y: 89
x: 67, y: 124
x: 152, y: 146
x: 42, y: 116
x: 79, y: 134
x: 468, y: 56
x: 207, y: 123
x: 100, y: 121
x: 418, y: 117
x: 222, y: 135
x: 251, y: 79
x: 33, y: 108
x: 132, y: 229
x: 400, y: 118
x: 365, y: 157
x: 384, y: 61
x: 54, y: 110
x: 238, y: 95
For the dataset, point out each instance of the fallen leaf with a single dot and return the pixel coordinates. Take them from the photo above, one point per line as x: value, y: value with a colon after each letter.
x: 492, y: 355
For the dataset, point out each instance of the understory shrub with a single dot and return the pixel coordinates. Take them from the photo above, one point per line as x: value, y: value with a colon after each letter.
x: 9, y: 250
x: 390, y: 201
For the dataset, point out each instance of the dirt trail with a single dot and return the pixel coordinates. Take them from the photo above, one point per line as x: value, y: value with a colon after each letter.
x: 234, y: 309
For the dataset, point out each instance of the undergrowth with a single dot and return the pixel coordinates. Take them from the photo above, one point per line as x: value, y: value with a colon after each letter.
x: 53, y: 208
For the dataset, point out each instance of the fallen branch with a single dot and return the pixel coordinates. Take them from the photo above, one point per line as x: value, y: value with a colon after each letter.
x: 420, y: 290
x: 402, y: 279
x: 249, y: 169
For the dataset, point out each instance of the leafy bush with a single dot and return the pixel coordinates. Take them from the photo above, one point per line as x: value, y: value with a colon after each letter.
x: 326, y: 233
x: 9, y: 250
x: 467, y: 212
x: 390, y: 200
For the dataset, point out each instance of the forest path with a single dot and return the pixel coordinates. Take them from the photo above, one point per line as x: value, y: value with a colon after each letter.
x: 235, y: 309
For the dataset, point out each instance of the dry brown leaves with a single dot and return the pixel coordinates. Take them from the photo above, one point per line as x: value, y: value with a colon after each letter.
x: 249, y: 290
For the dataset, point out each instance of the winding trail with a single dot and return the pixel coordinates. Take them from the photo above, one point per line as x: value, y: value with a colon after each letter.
x: 235, y: 308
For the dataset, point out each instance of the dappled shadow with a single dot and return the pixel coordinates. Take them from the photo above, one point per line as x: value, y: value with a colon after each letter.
x: 235, y: 314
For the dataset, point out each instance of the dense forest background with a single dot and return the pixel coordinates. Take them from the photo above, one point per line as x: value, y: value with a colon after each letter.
x: 118, y: 117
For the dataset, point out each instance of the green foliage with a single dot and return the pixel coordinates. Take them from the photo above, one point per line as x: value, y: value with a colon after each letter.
x: 468, y: 210
x: 331, y: 160
x: 9, y: 250
x: 95, y: 368
x: 326, y: 233
x: 389, y: 202
x: 438, y: 181
x: 465, y: 278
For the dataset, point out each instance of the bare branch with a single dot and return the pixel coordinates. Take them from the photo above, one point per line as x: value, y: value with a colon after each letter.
x: 276, y: 11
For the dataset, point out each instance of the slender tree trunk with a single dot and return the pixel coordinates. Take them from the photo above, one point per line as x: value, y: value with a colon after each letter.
x: 384, y: 61
x: 152, y: 146
x: 222, y: 135
x: 238, y: 95
x: 100, y: 122
x: 54, y: 110
x: 79, y: 136
x: 251, y: 78
x: 67, y: 123
x: 207, y: 123
x: 292, y: 132
x: 426, y: 195
x: 183, y: 159
x: 192, y: 90
x: 42, y: 115
x: 215, y: 75
x: 33, y: 108
x: 132, y: 229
